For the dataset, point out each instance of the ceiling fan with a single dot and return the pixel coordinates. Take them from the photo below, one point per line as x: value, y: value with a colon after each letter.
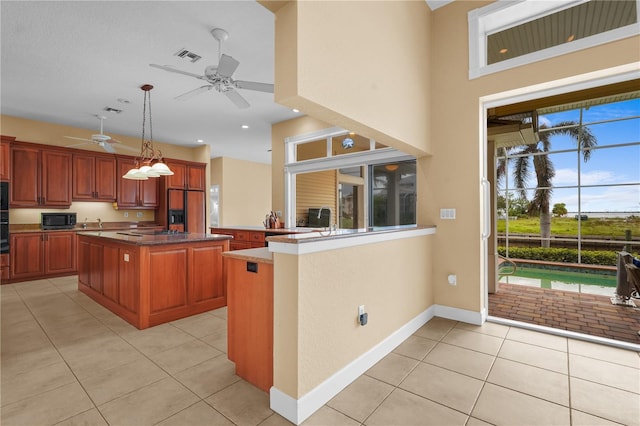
x: 106, y: 142
x: 219, y: 77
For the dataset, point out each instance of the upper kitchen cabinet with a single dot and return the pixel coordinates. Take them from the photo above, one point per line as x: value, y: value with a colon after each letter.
x: 135, y: 194
x: 5, y: 157
x: 40, y: 177
x: 94, y: 177
x: 186, y: 175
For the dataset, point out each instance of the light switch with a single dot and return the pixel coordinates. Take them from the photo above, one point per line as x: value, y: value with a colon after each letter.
x: 449, y: 214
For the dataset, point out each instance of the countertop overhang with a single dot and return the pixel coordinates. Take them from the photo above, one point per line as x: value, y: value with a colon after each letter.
x: 148, y: 238
x: 316, y: 241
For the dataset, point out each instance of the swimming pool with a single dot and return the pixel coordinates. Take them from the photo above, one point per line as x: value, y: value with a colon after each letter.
x: 581, y: 282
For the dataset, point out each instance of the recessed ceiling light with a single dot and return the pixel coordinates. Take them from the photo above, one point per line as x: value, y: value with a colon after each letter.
x: 245, y: 126
x: 295, y: 110
x: 200, y: 141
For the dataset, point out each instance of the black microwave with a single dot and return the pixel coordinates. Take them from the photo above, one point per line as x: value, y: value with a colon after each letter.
x: 57, y: 220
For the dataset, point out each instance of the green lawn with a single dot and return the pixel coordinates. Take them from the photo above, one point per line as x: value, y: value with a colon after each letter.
x: 608, y: 227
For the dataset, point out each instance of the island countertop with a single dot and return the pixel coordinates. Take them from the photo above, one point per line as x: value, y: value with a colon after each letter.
x: 149, y: 238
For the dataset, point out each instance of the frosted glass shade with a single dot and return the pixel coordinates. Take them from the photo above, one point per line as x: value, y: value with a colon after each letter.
x: 135, y: 174
x: 161, y: 169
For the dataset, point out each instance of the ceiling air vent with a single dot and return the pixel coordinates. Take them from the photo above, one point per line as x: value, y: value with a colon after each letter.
x: 114, y: 110
x: 185, y: 54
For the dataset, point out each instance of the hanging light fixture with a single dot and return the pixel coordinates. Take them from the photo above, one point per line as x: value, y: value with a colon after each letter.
x: 149, y: 164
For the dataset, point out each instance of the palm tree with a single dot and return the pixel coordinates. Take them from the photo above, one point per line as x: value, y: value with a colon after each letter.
x: 543, y: 168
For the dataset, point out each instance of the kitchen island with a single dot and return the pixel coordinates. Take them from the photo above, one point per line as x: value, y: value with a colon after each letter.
x: 149, y: 277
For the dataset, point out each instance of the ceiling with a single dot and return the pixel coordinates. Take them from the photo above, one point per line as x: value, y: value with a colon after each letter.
x: 64, y: 62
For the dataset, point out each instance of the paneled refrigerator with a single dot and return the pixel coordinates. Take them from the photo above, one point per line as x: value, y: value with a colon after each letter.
x: 186, y: 211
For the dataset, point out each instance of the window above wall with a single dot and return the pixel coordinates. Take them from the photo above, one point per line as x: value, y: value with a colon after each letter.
x: 505, y: 35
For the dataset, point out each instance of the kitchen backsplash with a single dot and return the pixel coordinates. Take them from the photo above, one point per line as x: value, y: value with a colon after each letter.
x: 91, y: 210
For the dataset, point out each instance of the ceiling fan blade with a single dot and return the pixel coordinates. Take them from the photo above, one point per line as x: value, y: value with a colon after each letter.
x: 227, y: 65
x: 252, y: 85
x: 78, y: 144
x: 236, y: 98
x: 192, y: 93
x: 79, y: 139
x: 171, y: 69
x: 107, y: 147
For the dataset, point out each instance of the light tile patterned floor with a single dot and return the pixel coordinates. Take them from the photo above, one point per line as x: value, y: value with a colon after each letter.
x: 68, y: 361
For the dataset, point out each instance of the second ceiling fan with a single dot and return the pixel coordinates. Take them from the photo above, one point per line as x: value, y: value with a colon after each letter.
x: 219, y: 77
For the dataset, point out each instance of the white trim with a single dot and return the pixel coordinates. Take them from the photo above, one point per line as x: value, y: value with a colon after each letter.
x: 565, y: 333
x: 299, y: 410
x: 457, y: 314
x: 503, y: 14
x: 344, y: 239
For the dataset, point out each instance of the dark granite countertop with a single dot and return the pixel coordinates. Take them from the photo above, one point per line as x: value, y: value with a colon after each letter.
x: 143, y: 238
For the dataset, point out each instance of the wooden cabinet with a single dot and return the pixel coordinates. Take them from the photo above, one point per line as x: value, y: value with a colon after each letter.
x: 150, y: 284
x: 40, y: 177
x: 135, y: 194
x: 27, y: 255
x: 94, y: 177
x: 250, y: 318
x: 41, y: 254
x: 242, y: 239
x: 4, y: 268
x: 5, y: 157
x: 186, y: 176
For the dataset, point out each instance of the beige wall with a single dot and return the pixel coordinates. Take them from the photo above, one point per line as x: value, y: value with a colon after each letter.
x: 316, y: 299
x: 452, y: 175
x: 54, y: 134
x: 245, y: 191
x: 448, y: 127
x: 358, y: 65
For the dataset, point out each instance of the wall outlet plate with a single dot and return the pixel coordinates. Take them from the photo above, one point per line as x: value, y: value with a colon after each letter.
x: 126, y: 214
x: 139, y: 214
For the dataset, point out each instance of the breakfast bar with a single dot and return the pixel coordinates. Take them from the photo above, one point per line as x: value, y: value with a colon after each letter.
x: 150, y: 277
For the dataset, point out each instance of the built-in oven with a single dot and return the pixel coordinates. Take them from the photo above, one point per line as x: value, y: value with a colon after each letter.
x: 4, y: 232
x: 4, y: 196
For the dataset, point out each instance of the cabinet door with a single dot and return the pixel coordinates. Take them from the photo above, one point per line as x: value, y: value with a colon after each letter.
x: 177, y: 179
x: 60, y: 252
x: 127, y: 189
x: 83, y: 177
x: 105, y: 179
x: 196, y: 178
x: 196, y: 221
x: 25, y: 177
x: 27, y: 258
x: 149, y: 193
x: 208, y: 283
x: 56, y: 178
x: 5, y: 163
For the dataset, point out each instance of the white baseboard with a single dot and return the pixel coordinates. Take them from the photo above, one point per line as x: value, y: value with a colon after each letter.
x: 298, y: 410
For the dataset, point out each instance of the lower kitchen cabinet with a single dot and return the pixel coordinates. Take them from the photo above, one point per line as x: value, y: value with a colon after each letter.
x: 4, y: 267
x: 242, y: 239
x: 41, y: 254
x: 250, y: 315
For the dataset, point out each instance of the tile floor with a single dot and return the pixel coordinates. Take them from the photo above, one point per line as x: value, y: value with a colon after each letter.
x: 68, y: 361
x: 567, y: 310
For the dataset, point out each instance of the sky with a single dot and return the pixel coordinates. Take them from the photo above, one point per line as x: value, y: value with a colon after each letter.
x: 606, y: 166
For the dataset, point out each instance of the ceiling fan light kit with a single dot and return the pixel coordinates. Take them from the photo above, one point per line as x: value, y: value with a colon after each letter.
x: 149, y: 163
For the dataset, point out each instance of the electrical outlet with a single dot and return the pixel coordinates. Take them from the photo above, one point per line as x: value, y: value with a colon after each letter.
x: 126, y: 257
x: 279, y: 213
x: 139, y: 214
x: 126, y: 214
x: 453, y: 280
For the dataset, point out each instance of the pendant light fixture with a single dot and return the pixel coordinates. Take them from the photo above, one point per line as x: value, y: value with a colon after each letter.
x: 149, y: 164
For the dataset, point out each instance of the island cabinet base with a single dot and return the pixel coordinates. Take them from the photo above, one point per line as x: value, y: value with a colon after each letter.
x: 147, y: 285
x: 250, y: 316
